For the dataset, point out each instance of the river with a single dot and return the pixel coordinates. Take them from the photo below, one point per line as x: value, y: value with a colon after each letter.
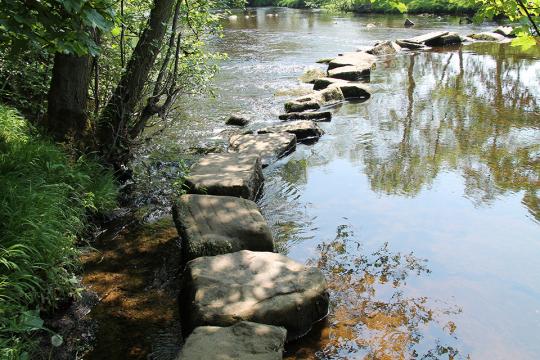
x: 421, y: 205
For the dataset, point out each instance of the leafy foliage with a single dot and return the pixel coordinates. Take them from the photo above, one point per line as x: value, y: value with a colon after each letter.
x: 44, y: 198
x: 58, y: 25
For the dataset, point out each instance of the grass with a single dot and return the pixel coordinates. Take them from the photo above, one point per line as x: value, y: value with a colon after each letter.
x: 45, y: 200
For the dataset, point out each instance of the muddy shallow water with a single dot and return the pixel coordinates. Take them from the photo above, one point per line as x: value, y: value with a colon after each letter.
x: 421, y: 205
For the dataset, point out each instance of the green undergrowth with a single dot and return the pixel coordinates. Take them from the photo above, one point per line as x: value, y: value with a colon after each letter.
x: 46, y: 198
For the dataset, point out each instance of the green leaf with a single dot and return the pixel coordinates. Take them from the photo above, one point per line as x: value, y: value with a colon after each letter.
x: 96, y: 20
x: 73, y: 6
x: 524, y: 40
x: 116, y: 31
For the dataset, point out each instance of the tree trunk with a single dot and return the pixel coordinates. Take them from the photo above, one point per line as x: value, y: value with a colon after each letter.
x: 68, y: 93
x: 114, y: 124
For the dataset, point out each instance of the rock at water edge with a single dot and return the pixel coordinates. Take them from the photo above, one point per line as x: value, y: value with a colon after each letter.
x: 212, y: 225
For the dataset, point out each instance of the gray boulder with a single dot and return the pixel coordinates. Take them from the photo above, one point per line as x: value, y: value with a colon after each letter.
x: 313, y: 115
x: 359, y: 59
x: 410, y: 45
x: 350, y: 73
x: 306, y: 131
x: 229, y: 174
x: 213, y: 225
x: 269, y: 147
x: 385, y: 48
x: 237, y: 120
x: 262, y: 287
x: 241, y: 341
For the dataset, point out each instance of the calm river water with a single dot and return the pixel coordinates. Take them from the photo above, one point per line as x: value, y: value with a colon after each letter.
x: 421, y: 205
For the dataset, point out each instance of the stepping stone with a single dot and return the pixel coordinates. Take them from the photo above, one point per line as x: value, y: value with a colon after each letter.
x: 350, y: 73
x: 423, y: 39
x: 448, y: 39
x: 269, y: 147
x: 360, y: 59
x: 354, y: 91
x: 408, y: 23
x: 229, y: 174
x: 315, y: 100
x: 262, y: 287
x: 385, y: 48
x: 305, y: 130
x: 314, y: 115
x: 410, y: 45
x: 302, y: 104
x: 242, y: 341
x: 213, y: 225
x: 487, y: 36
x: 325, y: 82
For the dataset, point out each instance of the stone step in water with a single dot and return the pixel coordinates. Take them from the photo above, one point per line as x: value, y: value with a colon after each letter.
x: 351, y: 73
x: 305, y: 130
x: 241, y: 341
x: 213, y: 225
x: 262, y: 287
x: 269, y: 147
x: 309, y: 115
x: 359, y: 59
x: 228, y: 174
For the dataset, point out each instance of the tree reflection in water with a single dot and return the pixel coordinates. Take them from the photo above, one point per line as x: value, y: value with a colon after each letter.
x: 370, y: 315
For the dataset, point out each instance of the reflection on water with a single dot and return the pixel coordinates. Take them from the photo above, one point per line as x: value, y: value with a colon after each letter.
x: 370, y: 315
x: 442, y: 162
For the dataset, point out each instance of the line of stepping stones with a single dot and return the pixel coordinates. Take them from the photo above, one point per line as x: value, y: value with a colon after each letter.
x: 240, y: 299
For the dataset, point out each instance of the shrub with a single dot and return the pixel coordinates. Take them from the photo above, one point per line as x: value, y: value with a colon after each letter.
x: 45, y: 198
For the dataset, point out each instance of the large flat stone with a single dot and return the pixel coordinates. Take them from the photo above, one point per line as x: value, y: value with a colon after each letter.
x: 359, y: 59
x: 350, y: 73
x: 315, y: 100
x: 262, y: 287
x: 305, y: 130
x: 325, y: 82
x: 213, y: 225
x: 242, y: 341
x: 269, y: 147
x: 451, y: 38
x: 354, y: 90
x: 423, y: 39
x: 229, y: 174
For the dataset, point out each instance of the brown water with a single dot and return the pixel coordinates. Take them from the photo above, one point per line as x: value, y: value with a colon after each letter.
x: 421, y: 205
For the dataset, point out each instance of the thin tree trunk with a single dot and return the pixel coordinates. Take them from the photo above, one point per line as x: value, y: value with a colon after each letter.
x: 114, y: 124
x: 67, y: 98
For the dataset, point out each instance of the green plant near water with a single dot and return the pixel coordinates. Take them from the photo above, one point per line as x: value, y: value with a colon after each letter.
x: 45, y: 198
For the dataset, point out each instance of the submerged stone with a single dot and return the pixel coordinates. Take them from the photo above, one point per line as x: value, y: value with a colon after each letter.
x: 231, y: 174
x: 305, y: 130
x: 237, y: 120
x: 213, y: 225
x: 242, y: 341
x: 262, y: 287
x: 269, y: 147
x: 314, y: 115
